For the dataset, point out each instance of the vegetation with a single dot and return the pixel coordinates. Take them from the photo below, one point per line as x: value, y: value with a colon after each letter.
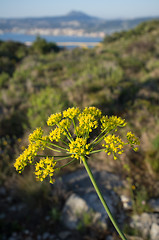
x: 121, y: 77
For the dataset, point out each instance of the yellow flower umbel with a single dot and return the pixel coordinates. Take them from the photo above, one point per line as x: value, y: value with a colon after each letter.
x: 79, y: 148
x: 113, y: 145
x: 70, y: 135
x: 71, y: 113
x: 54, y: 119
x: 133, y: 140
x: 45, y: 167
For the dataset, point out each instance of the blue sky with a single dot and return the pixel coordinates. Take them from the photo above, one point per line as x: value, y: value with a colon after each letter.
x: 107, y: 9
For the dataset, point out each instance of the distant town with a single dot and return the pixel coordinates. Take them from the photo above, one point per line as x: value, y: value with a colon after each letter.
x: 56, y: 32
x: 73, y: 24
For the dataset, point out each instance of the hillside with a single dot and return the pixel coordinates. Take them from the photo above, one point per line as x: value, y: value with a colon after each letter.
x: 120, y: 76
x: 74, y: 20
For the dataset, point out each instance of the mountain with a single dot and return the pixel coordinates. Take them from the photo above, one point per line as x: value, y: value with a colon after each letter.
x: 75, y: 20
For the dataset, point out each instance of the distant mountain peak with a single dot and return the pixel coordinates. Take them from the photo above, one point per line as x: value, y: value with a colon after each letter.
x: 76, y: 14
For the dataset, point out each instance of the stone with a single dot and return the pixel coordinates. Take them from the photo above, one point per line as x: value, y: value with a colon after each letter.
x: 126, y: 201
x: 142, y: 223
x: 74, y: 207
x: 98, y: 209
x: 154, y: 232
x: 39, y: 237
x: 47, y: 218
x: 3, y: 191
x: 64, y: 235
x: 79, y: 181
x: 84, y: 197
x: 154, y: 204
x: 2, y: 215
x: 46, y: 235
x: 29, y: 238
x: 52, y: 237
x: 26, y: 231
x: 147, y: 224
x: 109, y: 238
x: 77, y: 206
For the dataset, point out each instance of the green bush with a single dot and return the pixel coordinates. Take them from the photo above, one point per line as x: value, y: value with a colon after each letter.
x: 42, y: 46
x: 44, y: 103
x: 153, y: 155
x: 4, y: 79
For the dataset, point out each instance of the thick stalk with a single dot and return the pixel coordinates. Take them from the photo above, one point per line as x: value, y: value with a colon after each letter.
x: 101, y: 198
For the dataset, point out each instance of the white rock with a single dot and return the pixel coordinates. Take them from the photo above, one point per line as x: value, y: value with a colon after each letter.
x: 143, y: 223
x: 154, y: 204
x: 147, y: 224
x: 154, y: 232
x: 74, y: 208
x: 126, y: 201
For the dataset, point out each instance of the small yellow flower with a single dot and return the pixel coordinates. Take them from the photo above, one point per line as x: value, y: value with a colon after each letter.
x: 71, y: 113
x: 133, y: 140
x: 22, y: 147
x: 111, y: 123
x: 44, y: 168
x: 114, y: 145
x: 79, y: 147
x: 27, y: 157
x: 4, y: 142
x: 55, y: 135
x: 64, y: 124
x: 36, y: 135
x: 93, y: 111
x: 54, y: 119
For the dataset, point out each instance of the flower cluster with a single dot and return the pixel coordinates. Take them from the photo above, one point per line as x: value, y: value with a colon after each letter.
x: 111, y: 123
x: 36, y: 135
x: 28, y: 155
x: 79, y: 148
x: 132, y: 140
x: 87, y: 123
x: 88, y: 120
x: 114, y: 145
x: 71, y: 113
x: 69, y: 134
x: 55, y: 135
x: 64, y: 124
x: 93, y: 111
x: 45, y: 167
x: 54, y: 119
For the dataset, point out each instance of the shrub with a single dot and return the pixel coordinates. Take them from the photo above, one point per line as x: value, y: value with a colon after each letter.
x: 44, y: 103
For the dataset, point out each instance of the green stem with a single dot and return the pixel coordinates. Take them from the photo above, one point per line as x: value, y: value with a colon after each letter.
x: 98, y: 136
x: 96, y: 151
x: 75, y: 127
x: 62, y: 158
x: 101, y: 198
x: 55, y: 145
x: 53, y: 149
x: 99, y: 140
x: 68, y: 135
x: 65, y: 164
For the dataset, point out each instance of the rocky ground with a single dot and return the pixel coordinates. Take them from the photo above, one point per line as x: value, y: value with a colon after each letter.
x: 81, y: 215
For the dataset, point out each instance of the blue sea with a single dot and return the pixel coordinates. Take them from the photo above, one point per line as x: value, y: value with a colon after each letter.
x: 60, y: 39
